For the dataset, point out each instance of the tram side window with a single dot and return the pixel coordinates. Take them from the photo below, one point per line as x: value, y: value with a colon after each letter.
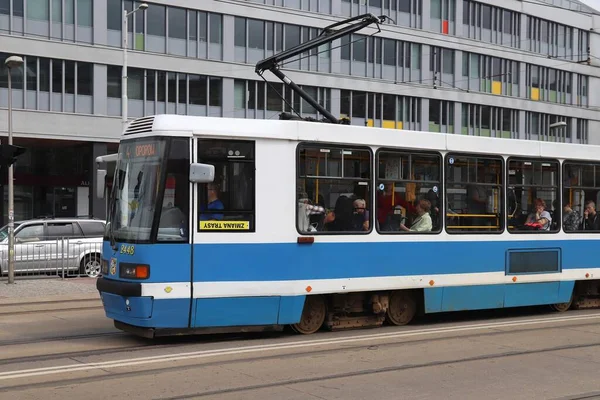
x: 333, y: 189
x: 581, y: 196
x: 474, y: 201
x: 228, y: 203
x: 174, y: 217
x: 533, y: 195
x: 408, y: 192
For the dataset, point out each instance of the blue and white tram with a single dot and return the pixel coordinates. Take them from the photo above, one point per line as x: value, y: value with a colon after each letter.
x: 219, y: 224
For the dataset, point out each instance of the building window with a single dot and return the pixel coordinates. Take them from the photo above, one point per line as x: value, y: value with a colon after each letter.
x: 381, y: 110
x: 489, y: 74
x: 441, y: 66
x: 548, y: 84
x: 544, y: 127
x: 402, y: 12
x: 443, y: 16
x: 441, y: 116
x: 177, y: 27
x: 554, y: 39
x: 480, y: 120
x: 491, y: 24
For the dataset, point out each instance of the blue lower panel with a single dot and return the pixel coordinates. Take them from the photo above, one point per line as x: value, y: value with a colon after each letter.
x: 532, y: 294
x: 470, y: 297
x: 237, y: 311
x: 147, y: 312
x: 290, y: 309
x: 462, y: 298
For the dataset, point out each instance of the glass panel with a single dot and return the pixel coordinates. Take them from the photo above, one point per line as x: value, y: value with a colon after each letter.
x: 84, y: 12
x: 533, y: 195
x: 333, y: 189
x: 136, y: 190
x: 174, y: 217
x: 177, y: 28
x: 408, y: 194
x: 473, y: 193
x: 227, y: 204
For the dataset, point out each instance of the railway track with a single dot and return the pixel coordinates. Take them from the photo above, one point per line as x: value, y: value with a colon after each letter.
x: 12, y: 309
x: 309, y: 347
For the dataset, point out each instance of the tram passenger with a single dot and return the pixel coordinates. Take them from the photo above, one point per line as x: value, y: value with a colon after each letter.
x: 306, y: 211
x: 540, y: 219
x: 214, y: 203
x: 591, y: 221
x: 361, y: 215
x: 423, y: 221
x: 342, y: 216
x: 571, y: 218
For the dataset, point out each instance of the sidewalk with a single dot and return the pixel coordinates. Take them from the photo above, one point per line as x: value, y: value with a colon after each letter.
x: 51, y: 289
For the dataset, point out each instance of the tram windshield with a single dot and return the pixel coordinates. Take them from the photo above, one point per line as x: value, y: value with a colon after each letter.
x: 150, y: 191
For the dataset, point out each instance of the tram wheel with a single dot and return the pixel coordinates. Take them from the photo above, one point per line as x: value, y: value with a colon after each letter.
x: 313, y: 315
x: 562, y: 307
x: 402, y: 308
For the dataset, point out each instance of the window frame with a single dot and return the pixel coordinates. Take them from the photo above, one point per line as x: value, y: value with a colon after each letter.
x: 370, y: 198
x: 198, y: 192
x: 563, y: 187
x: 440, y: 193
x: 558, y: 188
x: 502, y: 188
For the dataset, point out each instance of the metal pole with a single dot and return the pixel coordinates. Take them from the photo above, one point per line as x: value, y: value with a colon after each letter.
x: 124, y: 76
x: 11, y: 216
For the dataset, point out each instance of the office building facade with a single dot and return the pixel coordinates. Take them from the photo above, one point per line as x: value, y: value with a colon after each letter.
x: 458, y: 66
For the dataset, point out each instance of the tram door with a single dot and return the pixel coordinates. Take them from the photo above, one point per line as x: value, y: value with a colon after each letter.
x: 224, y: 213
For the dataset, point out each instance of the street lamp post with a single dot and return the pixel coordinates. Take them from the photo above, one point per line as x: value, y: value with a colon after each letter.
x: 125, y: 34
x: 11, y: 62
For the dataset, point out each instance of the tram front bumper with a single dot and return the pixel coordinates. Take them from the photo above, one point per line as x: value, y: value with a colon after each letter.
x: 123, y: 301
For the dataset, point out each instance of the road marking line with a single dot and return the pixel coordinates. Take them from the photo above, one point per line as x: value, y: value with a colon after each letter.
x: 271, y: 347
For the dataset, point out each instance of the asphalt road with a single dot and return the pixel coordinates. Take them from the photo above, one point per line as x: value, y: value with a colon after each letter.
x: 71, y: 351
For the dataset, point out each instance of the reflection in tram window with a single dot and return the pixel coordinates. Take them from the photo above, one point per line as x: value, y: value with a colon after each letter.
x: 532, y: 192
x: 333, y: 191
x: 473, y: 194
x: 403, y: 179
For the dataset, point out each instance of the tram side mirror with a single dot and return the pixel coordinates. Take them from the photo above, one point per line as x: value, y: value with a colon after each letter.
x: 100, y: 183
x: 202, y: 173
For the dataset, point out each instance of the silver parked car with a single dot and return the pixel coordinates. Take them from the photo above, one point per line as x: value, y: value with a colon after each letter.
x: 69, y: 246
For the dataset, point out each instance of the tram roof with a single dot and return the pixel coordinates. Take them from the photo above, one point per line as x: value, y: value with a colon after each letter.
x: 219, y: 127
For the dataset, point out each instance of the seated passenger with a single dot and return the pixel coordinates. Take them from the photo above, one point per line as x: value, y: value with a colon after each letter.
x: 361, y: 215
x: 341, y: 218
x: 541, y: 219
x: 591, y: 221
x: 423, y: 221
x: 571, y: 218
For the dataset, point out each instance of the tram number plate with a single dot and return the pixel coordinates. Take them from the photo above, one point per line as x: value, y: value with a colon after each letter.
x: 127, y: 249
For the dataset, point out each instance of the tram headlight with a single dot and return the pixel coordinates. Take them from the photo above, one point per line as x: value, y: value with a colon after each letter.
x: 134, y: 271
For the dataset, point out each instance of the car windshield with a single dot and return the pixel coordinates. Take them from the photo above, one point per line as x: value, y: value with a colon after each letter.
x: 136, y: 188
x: 4, y: 231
